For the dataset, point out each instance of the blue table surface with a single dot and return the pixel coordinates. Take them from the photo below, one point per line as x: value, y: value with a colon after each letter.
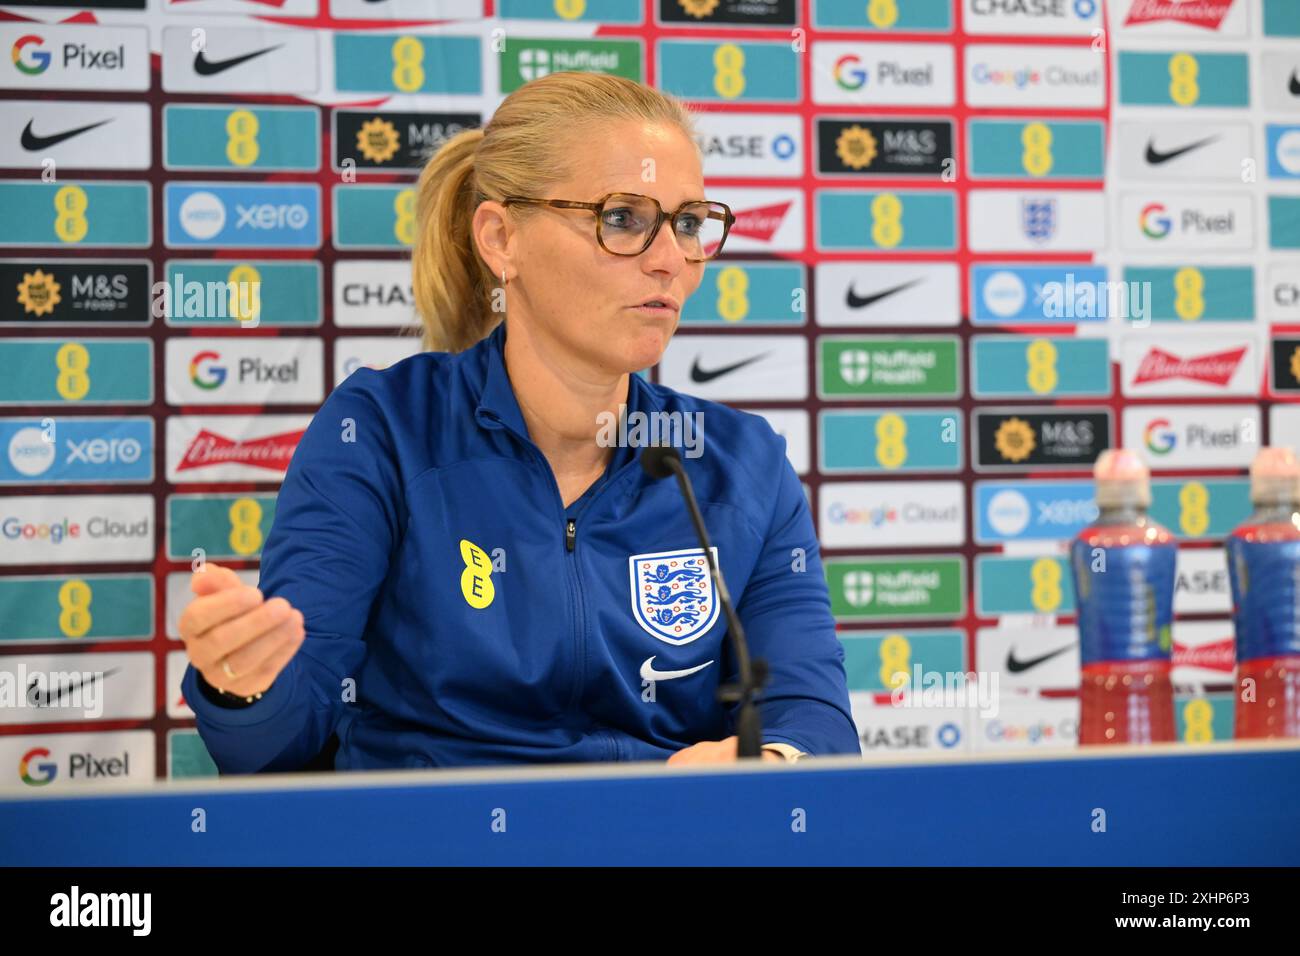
x: 1172, y: 805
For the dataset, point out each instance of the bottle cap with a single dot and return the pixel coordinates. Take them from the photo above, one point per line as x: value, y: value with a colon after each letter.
x: 1122, y: 478
x: 1275, y: 476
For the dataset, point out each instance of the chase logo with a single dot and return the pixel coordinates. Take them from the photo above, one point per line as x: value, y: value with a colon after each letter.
x: 76, y: 450
x: 36, y: 774
x: 1042, y: 510
x: 28, y: 56
x: 1032, y: 17
x: 241, y: 216
x: 1184, y: 79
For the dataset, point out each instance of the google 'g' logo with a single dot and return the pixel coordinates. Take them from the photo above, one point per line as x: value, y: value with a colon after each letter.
x: 1155, y: 224
x: 38, y: 60
x: 1159, y: 436
x: 46, y: 772
x: 848, y: 73
x: 203, y: 373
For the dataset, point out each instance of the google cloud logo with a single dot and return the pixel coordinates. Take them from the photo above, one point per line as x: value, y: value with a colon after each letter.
x: 848, y: 72
x: 46, y: 772
x: 39, y: 60
x: 1155, y: 224
x: 1159, y: 437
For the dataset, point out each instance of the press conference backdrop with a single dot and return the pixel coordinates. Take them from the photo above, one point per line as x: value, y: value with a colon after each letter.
x: 977, y: 241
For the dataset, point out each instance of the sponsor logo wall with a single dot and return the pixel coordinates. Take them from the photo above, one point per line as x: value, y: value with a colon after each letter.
x: 977, y: 243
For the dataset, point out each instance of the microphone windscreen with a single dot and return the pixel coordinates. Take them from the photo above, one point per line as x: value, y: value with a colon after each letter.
x: 657, y: 460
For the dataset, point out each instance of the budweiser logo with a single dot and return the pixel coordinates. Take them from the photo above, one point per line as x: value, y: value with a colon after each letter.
x: 272, y: 452
x: 760, y: 223
x: 1217, y: 369
x: 1214, y: 656
x: 1197, y: 13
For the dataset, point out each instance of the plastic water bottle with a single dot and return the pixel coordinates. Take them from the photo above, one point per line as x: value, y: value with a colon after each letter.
x: 1123, y: 568
x: 1264, y: 568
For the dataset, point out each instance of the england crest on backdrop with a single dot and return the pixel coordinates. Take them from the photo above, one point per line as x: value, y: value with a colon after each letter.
x: 672, y: 594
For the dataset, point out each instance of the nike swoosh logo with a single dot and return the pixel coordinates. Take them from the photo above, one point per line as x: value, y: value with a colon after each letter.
x: 205, y: 67
x: 649, y: 673
x: 1018, y: 667
x: 856, y: 301
x: 31, y: 142
x: 1155, y: 156
x: 700, y: 376
x: 1294, y: 85
x: 65, y: 689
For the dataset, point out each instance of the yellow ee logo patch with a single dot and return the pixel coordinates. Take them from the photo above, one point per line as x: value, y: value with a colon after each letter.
x: 476, y: 579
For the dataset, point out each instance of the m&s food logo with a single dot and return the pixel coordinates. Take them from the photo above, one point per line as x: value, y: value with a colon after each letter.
x: 37, y: 62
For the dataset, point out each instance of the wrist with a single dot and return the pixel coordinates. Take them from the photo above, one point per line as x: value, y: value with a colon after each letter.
x: 224, y: 698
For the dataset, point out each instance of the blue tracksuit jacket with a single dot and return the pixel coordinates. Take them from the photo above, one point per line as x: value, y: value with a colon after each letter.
x: 457, y: 613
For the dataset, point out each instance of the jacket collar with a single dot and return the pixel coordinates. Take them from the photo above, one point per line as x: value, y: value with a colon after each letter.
x: 497, y: 406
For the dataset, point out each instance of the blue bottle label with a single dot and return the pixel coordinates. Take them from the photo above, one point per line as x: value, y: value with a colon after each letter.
x: 1265, y: 578
x: 1125, y: 599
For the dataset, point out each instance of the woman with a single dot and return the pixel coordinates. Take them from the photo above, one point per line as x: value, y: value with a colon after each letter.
x: 462, y: 568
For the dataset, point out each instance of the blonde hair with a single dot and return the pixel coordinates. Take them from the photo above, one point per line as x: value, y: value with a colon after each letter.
x: 522, y: 151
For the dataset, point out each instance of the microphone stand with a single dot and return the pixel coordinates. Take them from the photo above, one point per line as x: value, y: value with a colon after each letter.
x: 751, y: 674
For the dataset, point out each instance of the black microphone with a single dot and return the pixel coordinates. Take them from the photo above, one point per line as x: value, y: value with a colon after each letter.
x: 660, y: 461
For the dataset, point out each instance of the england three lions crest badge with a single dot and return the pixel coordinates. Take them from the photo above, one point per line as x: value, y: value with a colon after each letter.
x: 672, y: 594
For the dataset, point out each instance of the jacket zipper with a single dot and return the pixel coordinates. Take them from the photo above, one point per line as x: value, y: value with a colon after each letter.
x: 574, y: 577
